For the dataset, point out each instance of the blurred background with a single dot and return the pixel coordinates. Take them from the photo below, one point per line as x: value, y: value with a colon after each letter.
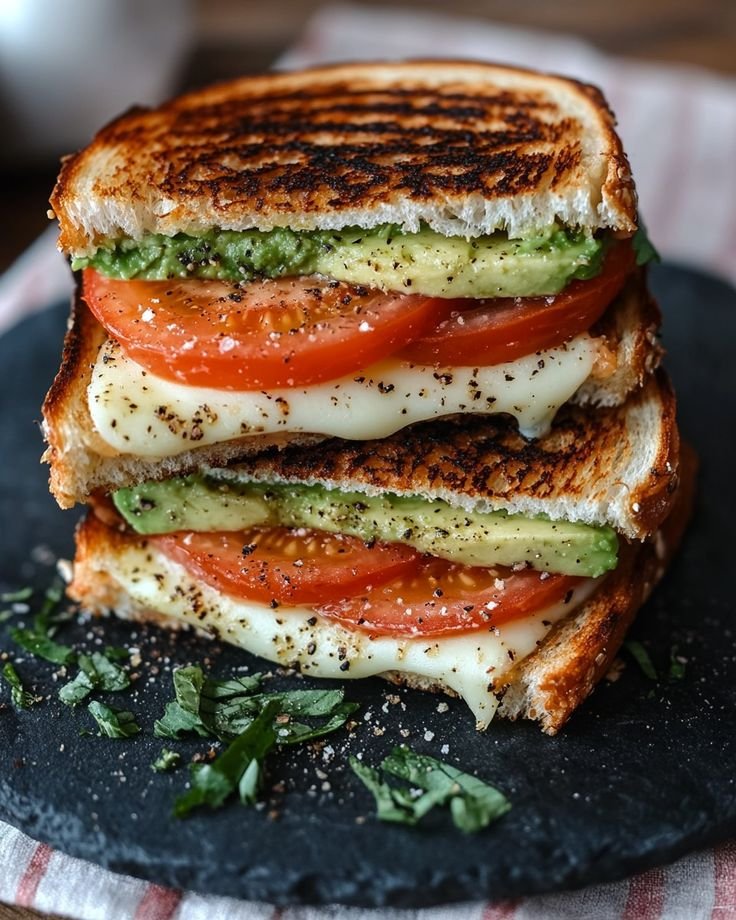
x: 66, y: 66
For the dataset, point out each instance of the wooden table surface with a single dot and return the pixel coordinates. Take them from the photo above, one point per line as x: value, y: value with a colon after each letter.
x: 234, y: 36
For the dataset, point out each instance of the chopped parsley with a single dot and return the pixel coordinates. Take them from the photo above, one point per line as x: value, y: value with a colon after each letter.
x: 675, y: 669
x: 38, y: 640
x: 116, y: 653
x: 239, y: 767
x: 225, y: 708
x: 96, y: 672
x: 113, y: 723
x: 21, y: 698
x: 428, y: 782
x: 14, y: 597
x: 641, y: 657
x: 251, y: 721
x: 166, y: 760
x: 677, y: 665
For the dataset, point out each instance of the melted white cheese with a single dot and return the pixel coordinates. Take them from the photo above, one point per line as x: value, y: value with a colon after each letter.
x: 294, y: 636
x: 138, y: 413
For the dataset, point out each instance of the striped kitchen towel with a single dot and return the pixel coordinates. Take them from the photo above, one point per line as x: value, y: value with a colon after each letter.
x: 699, y: 887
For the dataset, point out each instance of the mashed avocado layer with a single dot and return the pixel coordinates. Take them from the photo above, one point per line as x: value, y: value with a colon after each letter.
x: 418, y: 263
x: 209, y: 503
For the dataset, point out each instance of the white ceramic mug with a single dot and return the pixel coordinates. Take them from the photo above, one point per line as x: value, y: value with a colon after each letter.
x: 68, y: 66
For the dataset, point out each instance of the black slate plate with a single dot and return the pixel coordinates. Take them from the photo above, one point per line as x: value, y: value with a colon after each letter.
x: 644, y: 772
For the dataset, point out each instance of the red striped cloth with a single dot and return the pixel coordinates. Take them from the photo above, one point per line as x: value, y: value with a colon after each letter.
x: 699, y: 887
x: 679, y: 126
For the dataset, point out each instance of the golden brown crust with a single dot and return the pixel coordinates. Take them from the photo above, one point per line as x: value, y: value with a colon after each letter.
x: 303, y: 149
x: 630, y: 329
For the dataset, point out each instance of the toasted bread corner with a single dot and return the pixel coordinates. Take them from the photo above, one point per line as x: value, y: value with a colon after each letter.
x: 578, y: 652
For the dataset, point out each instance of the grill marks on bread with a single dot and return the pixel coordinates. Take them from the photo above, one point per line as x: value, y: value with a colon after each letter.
x: 593, y: 466
x: 339, y: 146
x: 465, y: 147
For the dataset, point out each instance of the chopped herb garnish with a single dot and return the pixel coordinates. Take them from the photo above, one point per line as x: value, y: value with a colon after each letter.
x: 166, y: 760
x: 253, y: 722
x: 39, y: 644
x: 13, y: 597
x: 20, y: 696
x: 116, y: 653
x: 239, y: 767
x: 176, y: 722
x: 643, y: 247
x: 473, y: 803
x: 38, y: 639
x: 181, y: 716
x: 114, y: 723
x: 225, y: 708
x: 677, y: 665
x: 77, y: 690
x: 96, y: 672
x: 641, y: 657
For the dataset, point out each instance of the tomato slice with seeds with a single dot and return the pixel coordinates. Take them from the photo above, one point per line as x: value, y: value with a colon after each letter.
x: 488, y: 332
x: 275, y: 333
x: 280, y: 565
x: 379, y: 588
x: 439, y: 598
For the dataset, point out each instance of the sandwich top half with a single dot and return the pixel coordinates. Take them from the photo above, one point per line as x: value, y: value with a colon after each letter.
x: 343, y: 252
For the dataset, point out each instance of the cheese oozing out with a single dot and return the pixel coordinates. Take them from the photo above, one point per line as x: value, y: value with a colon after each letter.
x: 471, y: 665
x: 136, y: 412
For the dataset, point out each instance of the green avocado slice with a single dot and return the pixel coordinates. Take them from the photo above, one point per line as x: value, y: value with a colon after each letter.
x: 207, y: 503
x: 425, y: 262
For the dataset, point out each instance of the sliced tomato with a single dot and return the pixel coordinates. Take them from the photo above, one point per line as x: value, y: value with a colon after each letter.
x: 380, y: 588
x: 280, y: 565
x: 488, y: 332
x: 438, y: 598
x: 282, y: 332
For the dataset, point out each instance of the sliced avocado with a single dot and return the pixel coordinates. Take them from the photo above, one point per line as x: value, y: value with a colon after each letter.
x: 473, y: 538
x: 190, y: 503
x: 441, y: 266
x: 418, y: 263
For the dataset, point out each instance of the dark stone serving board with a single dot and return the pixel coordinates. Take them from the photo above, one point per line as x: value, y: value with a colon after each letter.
x: 642, y: 774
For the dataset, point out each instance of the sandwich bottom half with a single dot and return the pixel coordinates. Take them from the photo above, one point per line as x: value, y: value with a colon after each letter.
x: 540, y: 666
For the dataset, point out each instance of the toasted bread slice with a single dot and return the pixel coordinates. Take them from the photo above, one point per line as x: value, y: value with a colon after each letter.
x: 118, y: 571
x: 615, y: 466
x: 82, y: 462
x: 467, y: 148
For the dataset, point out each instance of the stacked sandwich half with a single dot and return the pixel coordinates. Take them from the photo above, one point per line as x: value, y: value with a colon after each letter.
x: 362, y: 376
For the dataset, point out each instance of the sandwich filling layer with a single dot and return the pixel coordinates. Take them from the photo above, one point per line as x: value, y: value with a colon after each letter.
x: 221, y: 501
x: 471, y: 665
x: 385, y: 257
x: 386, y: 329
x: 137, y: 412
x: 341, y: 584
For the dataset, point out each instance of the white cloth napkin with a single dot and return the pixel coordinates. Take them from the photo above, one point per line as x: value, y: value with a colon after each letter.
x: 679, y: 126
